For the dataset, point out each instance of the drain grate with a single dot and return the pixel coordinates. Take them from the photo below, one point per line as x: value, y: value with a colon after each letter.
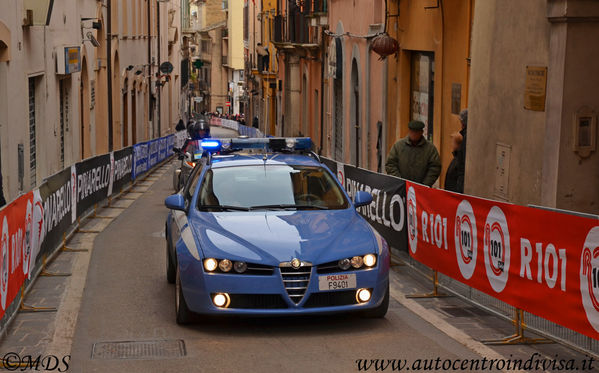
x: 139, y: 349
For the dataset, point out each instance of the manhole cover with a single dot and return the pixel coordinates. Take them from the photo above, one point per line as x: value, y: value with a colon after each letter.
x: 139, y: 350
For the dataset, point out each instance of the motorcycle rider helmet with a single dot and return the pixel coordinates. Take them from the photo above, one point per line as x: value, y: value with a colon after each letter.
x: 203, y: 129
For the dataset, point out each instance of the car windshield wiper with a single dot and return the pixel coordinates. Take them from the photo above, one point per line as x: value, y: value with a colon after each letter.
x: 288, y: 206
x: 223, y: 207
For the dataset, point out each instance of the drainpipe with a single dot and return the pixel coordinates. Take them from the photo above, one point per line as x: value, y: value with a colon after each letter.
x: 109, y: 69
x: 322, y: 62
x: 149, y: 63
x: 159, y: 87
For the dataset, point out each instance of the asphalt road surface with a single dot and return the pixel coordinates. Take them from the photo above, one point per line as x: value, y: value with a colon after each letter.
x: 127, y: 298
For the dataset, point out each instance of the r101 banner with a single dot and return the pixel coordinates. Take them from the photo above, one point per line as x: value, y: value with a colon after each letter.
x: 543, y: 262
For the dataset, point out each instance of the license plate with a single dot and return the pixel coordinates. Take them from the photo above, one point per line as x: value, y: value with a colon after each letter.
x: 336, y: 282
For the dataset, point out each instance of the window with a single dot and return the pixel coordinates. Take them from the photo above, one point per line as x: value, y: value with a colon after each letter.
x: 260, y: 187
x: 32, y: 133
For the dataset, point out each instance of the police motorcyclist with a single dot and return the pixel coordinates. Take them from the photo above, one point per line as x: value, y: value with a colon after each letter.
x: 197, y: 131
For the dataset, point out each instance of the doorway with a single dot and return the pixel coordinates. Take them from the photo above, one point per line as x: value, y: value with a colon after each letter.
x: 422, y: 90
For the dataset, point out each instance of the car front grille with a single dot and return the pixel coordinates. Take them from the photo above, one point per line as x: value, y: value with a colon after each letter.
x: 257, y: 301
x: 331, y: 299
x: 296, y: 281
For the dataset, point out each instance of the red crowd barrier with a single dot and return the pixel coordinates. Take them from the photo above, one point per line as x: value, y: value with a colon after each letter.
x: 543, y: 262
x: 22, y: 232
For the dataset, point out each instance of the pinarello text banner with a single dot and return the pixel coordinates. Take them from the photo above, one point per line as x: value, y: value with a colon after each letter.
x: 544, y: 262
x: 386, y: 213
x: 93, y: 182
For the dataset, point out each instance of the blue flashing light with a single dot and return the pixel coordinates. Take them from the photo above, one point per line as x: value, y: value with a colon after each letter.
x: 303, y: 143
x: 211, y: 145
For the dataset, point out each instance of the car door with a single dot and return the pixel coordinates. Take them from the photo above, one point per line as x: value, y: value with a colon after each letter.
x: 180, y: 217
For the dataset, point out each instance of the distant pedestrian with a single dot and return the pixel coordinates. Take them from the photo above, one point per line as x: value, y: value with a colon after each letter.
x: 255, y: 122
x: 180, y: 125
x: 451, y: 177
x: 414, y: 158
x: 461, y: 166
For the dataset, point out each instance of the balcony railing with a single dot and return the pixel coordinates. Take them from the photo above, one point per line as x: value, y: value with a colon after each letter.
x: 294, y: 27
x: 317, y: 6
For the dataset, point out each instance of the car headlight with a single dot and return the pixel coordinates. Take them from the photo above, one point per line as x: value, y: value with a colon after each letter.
x: 369, y: 260
x: 357, y: 262
x: 240, y: 267
x: 210, y: 264
x: 363, y: 295
x: 344, y: 264
x: 225, y: 265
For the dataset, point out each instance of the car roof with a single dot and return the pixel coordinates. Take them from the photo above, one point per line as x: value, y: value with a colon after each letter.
x: 272, y: 159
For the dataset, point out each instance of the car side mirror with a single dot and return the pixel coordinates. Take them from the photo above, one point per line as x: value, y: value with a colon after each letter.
x: 175, y: 202
x: 362, y: 199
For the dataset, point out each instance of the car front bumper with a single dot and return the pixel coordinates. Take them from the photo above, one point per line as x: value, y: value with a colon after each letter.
x: 266, y: 295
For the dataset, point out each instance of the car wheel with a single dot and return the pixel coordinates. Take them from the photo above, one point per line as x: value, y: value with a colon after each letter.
x: 184, y: 315
x: 170, y: 266
x: 380, y: 311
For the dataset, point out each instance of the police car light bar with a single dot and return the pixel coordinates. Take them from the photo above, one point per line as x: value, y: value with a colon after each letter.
x: 211, y: 145
x: 268, y: 143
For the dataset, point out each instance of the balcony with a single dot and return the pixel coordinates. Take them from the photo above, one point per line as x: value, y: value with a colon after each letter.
x: 292, y: 29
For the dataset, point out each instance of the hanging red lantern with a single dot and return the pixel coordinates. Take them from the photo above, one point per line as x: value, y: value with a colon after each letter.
x: 384, y: 45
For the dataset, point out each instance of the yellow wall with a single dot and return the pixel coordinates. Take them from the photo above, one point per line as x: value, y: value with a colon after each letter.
x: 235, y: 25
x: 445, y: 31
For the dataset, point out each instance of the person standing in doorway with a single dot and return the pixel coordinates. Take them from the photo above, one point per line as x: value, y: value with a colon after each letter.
x: 414, y: 158
x: 451, y: 177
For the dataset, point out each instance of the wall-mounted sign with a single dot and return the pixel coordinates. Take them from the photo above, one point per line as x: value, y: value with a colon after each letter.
x: 68, y: 60
x: 535, y: 89
x: 166, y: 67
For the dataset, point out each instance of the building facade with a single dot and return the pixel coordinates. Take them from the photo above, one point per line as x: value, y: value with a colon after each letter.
x: 220, y: 56
x: 533, y: 136
x: 356, y: 82
x: 428, y: 79
x: 78, y: 78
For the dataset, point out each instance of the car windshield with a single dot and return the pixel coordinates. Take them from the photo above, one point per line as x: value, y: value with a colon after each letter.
x: 270, y: 187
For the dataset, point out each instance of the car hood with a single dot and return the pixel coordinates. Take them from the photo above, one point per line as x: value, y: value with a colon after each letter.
x: 272, y: 237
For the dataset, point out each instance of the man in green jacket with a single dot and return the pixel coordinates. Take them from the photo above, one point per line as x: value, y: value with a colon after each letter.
x: 414, y: 158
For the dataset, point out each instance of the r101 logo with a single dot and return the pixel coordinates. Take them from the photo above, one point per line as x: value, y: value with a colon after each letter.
x: 550, y: 264
x: 497, y: 253
x: 467, y: 241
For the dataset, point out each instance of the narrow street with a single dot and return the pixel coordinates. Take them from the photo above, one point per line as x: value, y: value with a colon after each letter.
x: 299, y: 185
x: 127, y: 298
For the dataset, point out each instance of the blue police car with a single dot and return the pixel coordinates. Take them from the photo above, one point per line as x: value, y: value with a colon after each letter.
x: 262, y: 227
